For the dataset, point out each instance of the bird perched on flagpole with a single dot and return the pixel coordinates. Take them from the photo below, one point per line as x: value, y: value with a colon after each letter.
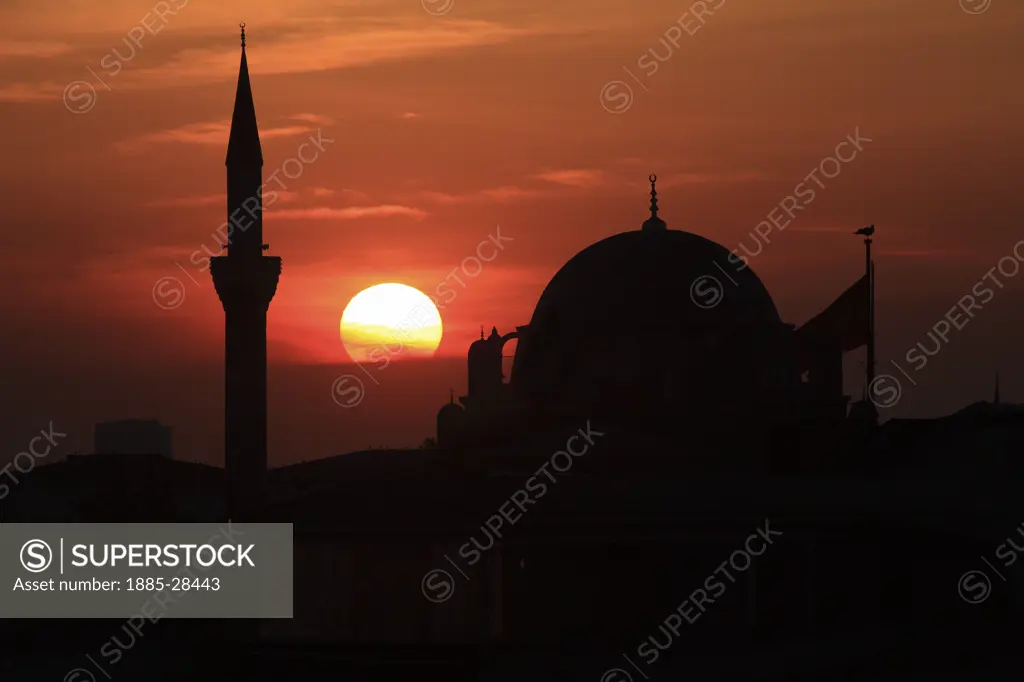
x: 866, y: 231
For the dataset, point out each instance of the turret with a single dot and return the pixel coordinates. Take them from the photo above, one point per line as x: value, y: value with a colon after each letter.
x: 485, y: 379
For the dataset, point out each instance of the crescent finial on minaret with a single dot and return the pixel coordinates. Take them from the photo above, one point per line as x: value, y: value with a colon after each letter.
x: 242, y: 26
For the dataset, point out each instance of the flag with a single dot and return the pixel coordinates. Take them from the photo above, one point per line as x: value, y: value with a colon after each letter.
x: 845, y: 324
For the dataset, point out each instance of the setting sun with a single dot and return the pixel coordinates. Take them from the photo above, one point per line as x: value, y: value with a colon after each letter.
x: 389, y: 320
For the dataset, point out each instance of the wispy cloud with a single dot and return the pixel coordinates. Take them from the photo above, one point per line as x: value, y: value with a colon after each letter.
x: 409, y: 115
x: 212, y: 133
x: 280, y: 196
x: 705, y: 178
x: 573, y: 177
x: 323, y: 48
x: 187, y: 202
x: 315, y: 119
x: 352, y: 212
x: 297, y: 47
x: 31, y: 92
x: 285, y: 196
x: 353, y: 195
x: 36, y: 49
x: 500, y: 195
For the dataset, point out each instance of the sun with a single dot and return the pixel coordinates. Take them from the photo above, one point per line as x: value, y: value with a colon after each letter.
x: 390, y: 321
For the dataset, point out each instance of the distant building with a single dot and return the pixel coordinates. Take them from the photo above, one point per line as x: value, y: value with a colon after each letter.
x: 132, y: 436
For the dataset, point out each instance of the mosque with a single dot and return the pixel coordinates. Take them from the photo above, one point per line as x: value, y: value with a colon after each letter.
x: 657, y: 327
x: 660, y: 421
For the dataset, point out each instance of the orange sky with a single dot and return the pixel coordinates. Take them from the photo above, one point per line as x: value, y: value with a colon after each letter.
x: 450, y: 119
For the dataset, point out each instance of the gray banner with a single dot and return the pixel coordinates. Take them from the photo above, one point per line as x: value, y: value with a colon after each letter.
x: 156, y: 570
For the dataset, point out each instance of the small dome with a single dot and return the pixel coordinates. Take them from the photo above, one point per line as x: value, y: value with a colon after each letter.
x: 450, y: 424
x: 450, y: 410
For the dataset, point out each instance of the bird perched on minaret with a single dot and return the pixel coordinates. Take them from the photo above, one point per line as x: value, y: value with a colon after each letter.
x: 866, y: 231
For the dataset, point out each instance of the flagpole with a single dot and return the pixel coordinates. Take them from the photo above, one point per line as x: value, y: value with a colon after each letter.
x: 869, y: 268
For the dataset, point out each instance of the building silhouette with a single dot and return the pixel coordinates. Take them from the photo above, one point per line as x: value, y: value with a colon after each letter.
x: 658, y: 328
x: 144, y: 436
x: 703, y: 418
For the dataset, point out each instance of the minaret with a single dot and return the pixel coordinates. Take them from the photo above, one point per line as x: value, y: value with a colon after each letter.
x: 995, y: 397
x: 246, y: 281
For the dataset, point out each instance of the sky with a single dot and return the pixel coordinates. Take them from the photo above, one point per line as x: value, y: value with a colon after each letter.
x: 436, y: 126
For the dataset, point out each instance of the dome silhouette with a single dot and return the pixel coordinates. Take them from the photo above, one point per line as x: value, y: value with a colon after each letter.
x: 640, y: 306
x: 624, y: 272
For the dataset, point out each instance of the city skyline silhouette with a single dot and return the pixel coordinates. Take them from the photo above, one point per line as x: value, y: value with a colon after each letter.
x: 721, y: 175
x: 650, y: 442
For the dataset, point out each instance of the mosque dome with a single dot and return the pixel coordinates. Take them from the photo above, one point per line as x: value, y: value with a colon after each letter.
x: 678, y: 277
x: 450, y: 411
x: 646, y: 311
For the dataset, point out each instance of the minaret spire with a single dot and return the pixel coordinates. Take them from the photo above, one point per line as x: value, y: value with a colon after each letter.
x: 245, y: 171
x: 654, y: 223
x: 246, y: 282
x: 244, y: 142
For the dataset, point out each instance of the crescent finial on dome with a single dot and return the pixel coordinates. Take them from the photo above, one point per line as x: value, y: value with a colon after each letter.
x: 654, y: 222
